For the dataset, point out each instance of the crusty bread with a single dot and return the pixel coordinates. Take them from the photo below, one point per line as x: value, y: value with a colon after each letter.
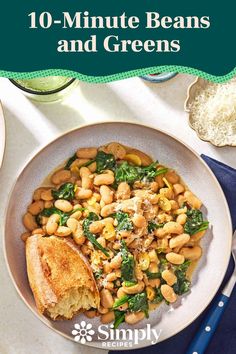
x: 60, y: 277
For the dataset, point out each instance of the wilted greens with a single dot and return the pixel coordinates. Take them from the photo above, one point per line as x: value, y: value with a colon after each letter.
x: 152, y: 226
x: 119, y: 318
x: 183, y: 284
x: 138, y: 302
x: 121, y: 301
x: 70, y: 161
x: 129, y: 173
x: 124, y: 221
x: 153, y: 275
x: 90, y: 236
x: 53, y: 210
x: 127, y: 265
x: 158, y: 296
x: 195, y: 222
x: 105, y: 161
x: 66, y: 191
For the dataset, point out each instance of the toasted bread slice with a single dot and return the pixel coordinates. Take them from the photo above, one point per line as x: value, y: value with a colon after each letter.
x: 60, y: 277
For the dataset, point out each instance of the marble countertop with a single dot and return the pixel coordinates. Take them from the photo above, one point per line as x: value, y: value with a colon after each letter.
x: 29, y: 126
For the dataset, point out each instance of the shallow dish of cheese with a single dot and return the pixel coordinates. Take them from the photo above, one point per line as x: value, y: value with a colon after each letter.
x: 115, y: 231
x: 212, y: 111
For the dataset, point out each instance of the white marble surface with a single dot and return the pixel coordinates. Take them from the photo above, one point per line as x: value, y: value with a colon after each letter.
x: 31, y: 125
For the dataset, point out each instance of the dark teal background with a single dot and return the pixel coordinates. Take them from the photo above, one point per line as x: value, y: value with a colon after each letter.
x: 210, y: 50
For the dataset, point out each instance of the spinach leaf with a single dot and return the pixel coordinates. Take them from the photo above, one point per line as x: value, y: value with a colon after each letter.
x: 127, y: 265
x: 138, y: 302
x: 158, y: 296
x: 183, y: 267
x: 152, y: 225
x: 152, y: 275
x: 119, y: 318
x: 129, y: 173
x: 70, y: 161
x: 126, y: 173
x: 150, y: 172
x: 92, y: 217
x: 130, y: 283
x: 66, y: 191
x: 63, y: 218
x: 195, y: 222
x: 183, y: 284
x: 53, y: 210
x: 46, y: 212
x: 90, y: 236
x: 73, y: 158
x: 124, y: 221
x: 121, y: 301
x: 105, y: 161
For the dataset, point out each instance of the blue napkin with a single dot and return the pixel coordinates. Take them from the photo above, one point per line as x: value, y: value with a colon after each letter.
x: 224, y: 339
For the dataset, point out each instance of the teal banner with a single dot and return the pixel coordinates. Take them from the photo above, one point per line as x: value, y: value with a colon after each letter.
x: 105, y: 38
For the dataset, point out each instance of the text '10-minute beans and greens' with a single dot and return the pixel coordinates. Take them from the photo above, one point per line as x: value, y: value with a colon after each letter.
x: 133, y: 219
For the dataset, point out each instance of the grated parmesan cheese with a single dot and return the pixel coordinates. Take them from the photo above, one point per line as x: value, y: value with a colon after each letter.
x: 213, y: 113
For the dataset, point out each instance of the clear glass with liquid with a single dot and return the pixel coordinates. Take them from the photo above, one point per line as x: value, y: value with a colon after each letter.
x: 46, y: 89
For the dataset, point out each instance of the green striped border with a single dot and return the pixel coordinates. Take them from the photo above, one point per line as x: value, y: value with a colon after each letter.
x: 119, y: 76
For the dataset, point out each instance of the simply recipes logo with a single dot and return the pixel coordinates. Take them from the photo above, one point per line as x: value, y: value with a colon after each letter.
x: 110, y: 337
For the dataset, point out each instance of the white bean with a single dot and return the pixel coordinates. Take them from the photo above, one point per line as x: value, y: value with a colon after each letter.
x: 107, y: 300
x: 173, y: 227
x: 108, y: 317
x: 134, y: 289
x: 169, y: 277
x: 104, y: 179
x: 52, y: 224
x: 168, y: 293
x: 29, y: 222
x: 123, y: 191
x: 61, y: 176
x: 179, y: 241
x: 106, y: 194
x: 134, y: 317
x: 63, y: 231
x: 63, y: 205
x: 36, y: 207
x: 175, y: 258
x: 86, y: 153
x: 192, y: 254
x: 192, y: 200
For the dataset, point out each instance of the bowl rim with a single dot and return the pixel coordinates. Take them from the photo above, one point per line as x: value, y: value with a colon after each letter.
x: 159, y: 78
x: 3, y: 145
x: 34, y: 154
x: 188, y: 110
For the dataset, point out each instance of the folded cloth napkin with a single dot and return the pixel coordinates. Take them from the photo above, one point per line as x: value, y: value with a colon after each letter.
x: 224, y: 339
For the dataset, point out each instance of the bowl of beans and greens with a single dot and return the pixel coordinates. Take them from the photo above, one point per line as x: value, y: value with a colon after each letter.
x: 139, y: 214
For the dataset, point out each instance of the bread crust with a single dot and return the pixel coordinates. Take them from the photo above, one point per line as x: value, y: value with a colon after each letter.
x: 55, y: 265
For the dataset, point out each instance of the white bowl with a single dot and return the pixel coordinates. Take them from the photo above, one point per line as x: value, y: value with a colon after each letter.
x: 2, y: 134
x: 167, y: 321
